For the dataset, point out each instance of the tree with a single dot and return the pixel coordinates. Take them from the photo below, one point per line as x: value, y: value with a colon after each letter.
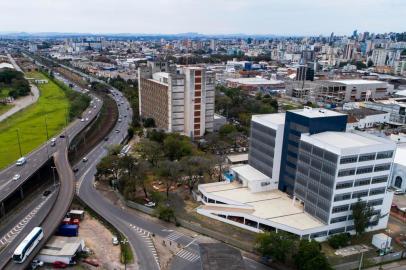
x: 226, y: 130
x: 177, y: 146
x: 339, y: 240
x: 309, y: 256
x: 370, y: 63
x: 362, y: 214
x: 108, y: 167
x: 150, y: 150
x: 165, y: 213
x: 169, y: 172
x: 194, y: 168
x: 149, y: 123
x: 277, y: 245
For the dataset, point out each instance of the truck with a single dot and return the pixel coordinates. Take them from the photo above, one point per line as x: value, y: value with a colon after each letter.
x: 382, y: 242
x: 68, y: 230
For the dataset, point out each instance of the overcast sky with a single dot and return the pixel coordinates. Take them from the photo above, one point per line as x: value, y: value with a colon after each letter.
x: 283, y: 17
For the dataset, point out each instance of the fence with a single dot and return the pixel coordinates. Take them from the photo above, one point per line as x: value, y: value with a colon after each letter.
x: 371, y: 261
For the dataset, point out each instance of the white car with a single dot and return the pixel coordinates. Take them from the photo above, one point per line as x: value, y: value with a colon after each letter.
x: 87, y: 119
x: 21, y: 161
x: 150, y: 204
x: 90, y: 112
x: 114, y: 240
x: 82, y: 120
x: 16, y: 177
x: 399, y: 192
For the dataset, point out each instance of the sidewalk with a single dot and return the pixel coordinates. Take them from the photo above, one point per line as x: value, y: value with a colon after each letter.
x: 22, y: 103
x: 399, y: 265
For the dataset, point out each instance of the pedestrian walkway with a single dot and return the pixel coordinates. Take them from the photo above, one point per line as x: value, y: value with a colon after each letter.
x: 174, y: 236
x: 188, y: 255
x: 399, y: 265
x: 146, y: 235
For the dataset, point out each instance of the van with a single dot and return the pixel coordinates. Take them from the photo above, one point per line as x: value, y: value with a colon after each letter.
x: 21, y: 161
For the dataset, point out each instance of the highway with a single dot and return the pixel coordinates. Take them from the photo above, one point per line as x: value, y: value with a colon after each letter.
x: 55, y: 206
x: 37, y: 158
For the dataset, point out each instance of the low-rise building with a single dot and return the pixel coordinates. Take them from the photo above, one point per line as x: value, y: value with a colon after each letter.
x: 333, y: 170
x: 62, y: 249
x: 365, y: 118
x: 256, y: 84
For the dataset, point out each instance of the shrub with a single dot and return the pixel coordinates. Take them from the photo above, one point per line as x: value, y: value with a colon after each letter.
x: 165, y: 213
x: 339, y: 240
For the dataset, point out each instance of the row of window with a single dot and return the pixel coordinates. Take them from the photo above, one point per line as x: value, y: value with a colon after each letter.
x: 362, y: 182
x: 358, y: 194
x: 346, y: 207
x: 364, y: 170
x: 366, y: 157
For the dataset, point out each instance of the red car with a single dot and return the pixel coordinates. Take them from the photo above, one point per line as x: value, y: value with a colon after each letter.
x: 59, y: 264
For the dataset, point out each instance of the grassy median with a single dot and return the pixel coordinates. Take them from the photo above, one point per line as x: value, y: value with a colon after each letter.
x: 50, y: 110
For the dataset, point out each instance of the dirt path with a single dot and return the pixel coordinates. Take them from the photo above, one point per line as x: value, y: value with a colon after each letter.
x: 99, y: 240
x: 22, y: 103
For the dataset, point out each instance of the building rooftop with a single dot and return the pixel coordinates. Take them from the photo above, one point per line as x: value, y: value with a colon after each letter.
x: 316, y: 112
x: 400, y: 155
x: 275, y: 205
x: 255, y: 81
x: 238, y: 158
x: 363, y: 112
x: 357, y: 82
x: 219, y: 256
x: 250, y: 173
x: 343, y: 140
x: 270, y: 120
x: 62, y: 246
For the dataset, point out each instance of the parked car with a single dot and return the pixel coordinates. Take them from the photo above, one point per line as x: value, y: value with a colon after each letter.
x: 150, y: 204
x: 21, y: 161
x: 36, y: 263
x: 399, y: 192
x: 59, y: 264
x: 16, y: 177
x: 115, y: 240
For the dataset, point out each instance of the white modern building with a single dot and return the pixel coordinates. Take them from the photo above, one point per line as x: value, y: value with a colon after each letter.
x: 334, y: 170
x: 363, y: 118
x: 398, y: 180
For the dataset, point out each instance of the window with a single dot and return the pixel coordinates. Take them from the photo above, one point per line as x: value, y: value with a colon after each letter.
x: 360, y: 194
x: 376, y: 191
x: 379, y: 179
x: 398, y: 182
x: 338, y: 219
x: 363, y: 170
x: 381, y: 167
x: 375, y: 202
x: 335, y: 231
x: 344, y: 185
x: 346, y: 160
x: 346, y: 172
x: 386, y: 154
x: 366, y: 157
x: 362, y: 182
x: 350, y: 217
x: 342, y: 197
x: 341, y: 208
x: 349, y: 228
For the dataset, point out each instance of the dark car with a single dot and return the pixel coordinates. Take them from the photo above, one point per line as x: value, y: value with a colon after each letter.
x: 106, y: 139
x: 75, y: 170
x: 62, y: 136
x: 46, y: 193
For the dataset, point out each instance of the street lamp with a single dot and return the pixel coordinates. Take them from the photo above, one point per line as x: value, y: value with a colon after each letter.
x: 53, y: 173
x: 19, y: 143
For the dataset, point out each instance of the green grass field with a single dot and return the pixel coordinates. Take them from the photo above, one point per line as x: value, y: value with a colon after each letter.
x: 52, y: 105
x: 5, y: 107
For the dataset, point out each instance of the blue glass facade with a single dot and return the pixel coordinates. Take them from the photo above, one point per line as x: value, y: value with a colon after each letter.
x: 295, y: 125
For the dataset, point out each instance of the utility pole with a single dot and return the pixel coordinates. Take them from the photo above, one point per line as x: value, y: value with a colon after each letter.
x: 53, y: 173
x: 19, y: 143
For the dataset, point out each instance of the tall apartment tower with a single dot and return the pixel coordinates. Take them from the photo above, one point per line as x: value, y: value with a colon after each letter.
x: 179, y: 100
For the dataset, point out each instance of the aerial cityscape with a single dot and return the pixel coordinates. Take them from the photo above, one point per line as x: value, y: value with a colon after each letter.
x: 212, y: 135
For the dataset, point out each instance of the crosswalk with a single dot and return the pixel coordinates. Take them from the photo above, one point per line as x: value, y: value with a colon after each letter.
x: 146, y: 235
x: 174, y: 236
x: 9, y: 237
x: 188, y: 255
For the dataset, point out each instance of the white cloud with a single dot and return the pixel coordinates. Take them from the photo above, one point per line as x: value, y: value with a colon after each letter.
x: 207, y: 16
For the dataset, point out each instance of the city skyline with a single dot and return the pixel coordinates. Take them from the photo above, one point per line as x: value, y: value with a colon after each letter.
x: 257, y: 17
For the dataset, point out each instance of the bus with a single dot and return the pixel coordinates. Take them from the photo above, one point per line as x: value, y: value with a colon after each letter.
x: 27, y: 245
